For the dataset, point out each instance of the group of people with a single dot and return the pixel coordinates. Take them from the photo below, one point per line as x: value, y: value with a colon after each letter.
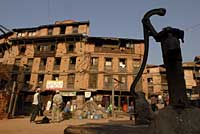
x: 56, y: 106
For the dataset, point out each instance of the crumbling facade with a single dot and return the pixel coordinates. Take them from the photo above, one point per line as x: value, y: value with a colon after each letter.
x: 156, y: 79
x: 157, y: 84
x: 63, y: 56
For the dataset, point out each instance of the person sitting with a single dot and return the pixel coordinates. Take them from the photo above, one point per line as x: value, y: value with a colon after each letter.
x: 67, y: 108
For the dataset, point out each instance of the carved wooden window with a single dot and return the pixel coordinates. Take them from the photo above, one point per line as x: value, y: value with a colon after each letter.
x: 71, y: 47
x: 40, y: 78
x: 33, y: 33
x: 93, y: 78
x: 122, y: 65
x: 94, y: 63
x: 43, y: 63
x: 70, y: 80
x: 46, y: 47
x: 57, y: 63
x: 72, y: 63
x: 136, y: 65
x: 75, y: 29
x: 50, y: 31
x: 27, y: 78
x: 22, y: 49
x: 21, y: 34
x: 150, y: 80
x: 53, y: 46
x: 28, y: 66
x: 122, y: 85
x: 108, y: 81
x: 55, y: 77
x: 62, y: 29
x: 108, y: 64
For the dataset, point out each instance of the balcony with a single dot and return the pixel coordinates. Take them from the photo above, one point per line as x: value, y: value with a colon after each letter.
x: 113, y: 50
x: 108, y: 68
x: 44, y: 54
x: 122, y: 69
x: 94, y: 68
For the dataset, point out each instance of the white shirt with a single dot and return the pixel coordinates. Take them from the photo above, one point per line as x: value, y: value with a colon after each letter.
x: 35, y: 99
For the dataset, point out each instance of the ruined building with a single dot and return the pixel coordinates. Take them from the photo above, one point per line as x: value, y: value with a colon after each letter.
x: 62, y: 56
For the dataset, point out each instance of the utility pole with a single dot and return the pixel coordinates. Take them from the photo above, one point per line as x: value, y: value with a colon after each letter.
x: 10, y: 107
x: 113, y: 101
x: 113, y: 95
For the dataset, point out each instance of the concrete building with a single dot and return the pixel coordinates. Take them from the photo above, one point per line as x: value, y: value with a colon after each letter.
x: 62, y: 56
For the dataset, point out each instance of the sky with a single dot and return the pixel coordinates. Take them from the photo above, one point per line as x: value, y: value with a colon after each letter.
x: 111, y: 18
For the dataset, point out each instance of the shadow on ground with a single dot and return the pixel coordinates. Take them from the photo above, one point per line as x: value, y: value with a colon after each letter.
x: 112, y: 127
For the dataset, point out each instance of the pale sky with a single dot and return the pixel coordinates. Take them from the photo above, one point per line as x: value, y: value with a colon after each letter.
x: 110, y: 18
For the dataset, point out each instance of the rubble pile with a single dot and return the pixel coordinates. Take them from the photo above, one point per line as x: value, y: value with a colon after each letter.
x: 90, y: 110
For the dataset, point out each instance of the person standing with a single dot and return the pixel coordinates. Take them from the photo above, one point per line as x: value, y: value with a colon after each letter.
x: 57, y: 107
x: 153, y: 103
x: 131, y: 110
x: 37, y: 104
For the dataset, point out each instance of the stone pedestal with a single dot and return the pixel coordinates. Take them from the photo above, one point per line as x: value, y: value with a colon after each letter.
x: 176, y: 121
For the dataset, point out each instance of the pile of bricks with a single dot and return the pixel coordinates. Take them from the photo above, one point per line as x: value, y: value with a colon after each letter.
x: 3, y: 104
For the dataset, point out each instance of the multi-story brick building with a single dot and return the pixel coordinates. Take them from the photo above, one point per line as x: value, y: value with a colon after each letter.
x: 156, y: 80
x: 157, y: 83
x: 63, y: 56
